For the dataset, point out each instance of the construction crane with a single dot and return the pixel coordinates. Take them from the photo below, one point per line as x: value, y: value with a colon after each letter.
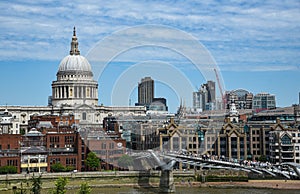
x: 221, y: 90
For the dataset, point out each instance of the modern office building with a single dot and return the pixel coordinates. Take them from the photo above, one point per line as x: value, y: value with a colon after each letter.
x: 211, y: 89
x: 264, y: 101
x: 205, y: 97
x: 146, y: 91
x: 146, y: 98
x: 158, y: 105
x: 200, y: 98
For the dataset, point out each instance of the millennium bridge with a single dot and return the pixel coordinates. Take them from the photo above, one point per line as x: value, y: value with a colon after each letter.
x: 287, y: 170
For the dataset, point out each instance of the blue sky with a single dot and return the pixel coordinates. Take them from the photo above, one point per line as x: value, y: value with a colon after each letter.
x: 255, y: 44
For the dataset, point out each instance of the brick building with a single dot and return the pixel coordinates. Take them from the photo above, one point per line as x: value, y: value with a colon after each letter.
x: 51, y: 139
x: 108, y: 150
x: 9, y: 150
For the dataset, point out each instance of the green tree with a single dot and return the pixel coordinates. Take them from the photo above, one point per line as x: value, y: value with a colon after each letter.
x: 60, y: 185
x: 22, y: 131
x: 69, y: 168
x: 92, y: 161
x: 36, y: 184
x: 84, y: 188
x: 125, y: 161
x: 57, y: 167
x: 262, y: 158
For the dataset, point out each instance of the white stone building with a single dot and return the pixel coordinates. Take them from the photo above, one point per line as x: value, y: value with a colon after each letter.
x: 8, y: 123
x: 74, y: 92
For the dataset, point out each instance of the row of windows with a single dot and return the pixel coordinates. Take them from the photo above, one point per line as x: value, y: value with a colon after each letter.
x: 255, y: 132
x: 8, y: 147
x: 69, y: 139
x: 34, y: 160
x: 70, y: 161
x: 108, y: 153
x: 256, y: 152
x: 12, y: 162
x: 54, y: 139
x: 294, y: 134
x: 111, y: 145
x: 211, y: 139
x: 75, y: 76
x: 256, y: 146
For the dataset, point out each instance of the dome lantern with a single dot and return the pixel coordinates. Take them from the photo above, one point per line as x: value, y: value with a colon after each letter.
x: 74, y: 44
x: 74, y: 62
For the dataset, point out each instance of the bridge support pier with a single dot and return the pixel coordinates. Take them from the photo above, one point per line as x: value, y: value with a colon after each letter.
x: 166, y: 184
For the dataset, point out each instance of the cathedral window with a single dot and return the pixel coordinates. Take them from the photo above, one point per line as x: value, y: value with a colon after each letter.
x: 84, y: 116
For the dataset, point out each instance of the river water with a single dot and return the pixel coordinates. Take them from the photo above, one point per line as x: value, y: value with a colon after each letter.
x: 179, y: 190
x: 189, y: 190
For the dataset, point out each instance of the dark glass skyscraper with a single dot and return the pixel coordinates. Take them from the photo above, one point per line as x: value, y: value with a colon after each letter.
x: 146, y: 91
x: 211, y: 88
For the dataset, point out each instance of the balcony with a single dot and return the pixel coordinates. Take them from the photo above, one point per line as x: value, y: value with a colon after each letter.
x: 286, y: 145
x: 287, y: 157
x: 34, y: 165
x: 287, y: 151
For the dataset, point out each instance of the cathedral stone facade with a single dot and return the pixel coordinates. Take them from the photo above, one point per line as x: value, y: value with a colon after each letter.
x: 74, y: 92
x: 74, y: 84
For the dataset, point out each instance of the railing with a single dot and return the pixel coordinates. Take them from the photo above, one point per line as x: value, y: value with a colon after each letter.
x: 256, y: 167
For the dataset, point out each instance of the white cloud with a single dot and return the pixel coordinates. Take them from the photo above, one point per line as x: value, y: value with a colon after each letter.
x: 226, y: 27
x: 259, y: 68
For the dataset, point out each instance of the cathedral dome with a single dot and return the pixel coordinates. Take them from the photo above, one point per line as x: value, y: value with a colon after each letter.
x: 74, y: 63
x: 75, y: 84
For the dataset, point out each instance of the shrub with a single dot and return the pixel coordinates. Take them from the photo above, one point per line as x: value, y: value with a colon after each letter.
x: 84, y: 188
x: 57, y: 167
x: 8, y: 170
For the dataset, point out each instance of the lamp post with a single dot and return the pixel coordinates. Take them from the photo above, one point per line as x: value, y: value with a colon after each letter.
x: 28, y: 162
x: 20, y: 156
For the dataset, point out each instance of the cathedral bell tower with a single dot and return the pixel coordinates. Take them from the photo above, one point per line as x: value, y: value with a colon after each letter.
x: 233, y: 113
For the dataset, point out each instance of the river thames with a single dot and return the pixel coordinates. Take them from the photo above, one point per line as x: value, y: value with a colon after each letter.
x: 191, y: 190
